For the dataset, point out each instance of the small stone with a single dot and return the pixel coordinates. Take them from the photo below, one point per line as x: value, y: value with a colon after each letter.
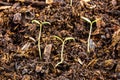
x: 92, y: 45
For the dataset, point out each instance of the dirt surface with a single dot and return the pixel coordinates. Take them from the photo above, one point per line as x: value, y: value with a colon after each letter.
x: 19, y: 55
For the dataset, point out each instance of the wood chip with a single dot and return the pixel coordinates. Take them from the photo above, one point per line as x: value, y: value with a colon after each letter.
x: 4, y: 7
x: 92, y: 62
x: 49, y: 1
x: 86, y: 0
x: 26, y: 46
x: 115, y: 38
x: 47, y: 52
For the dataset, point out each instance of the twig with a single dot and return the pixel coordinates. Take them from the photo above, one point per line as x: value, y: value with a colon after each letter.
x: 5, y: 3
x: 34, y: 3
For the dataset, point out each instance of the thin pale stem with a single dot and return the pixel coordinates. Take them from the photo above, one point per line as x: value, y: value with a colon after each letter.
x: 62, y: 58
x: 70, y: 2
x: 88, y: 46
x: 39, y: 41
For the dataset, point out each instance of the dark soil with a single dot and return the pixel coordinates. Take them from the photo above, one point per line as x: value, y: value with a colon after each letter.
x: 19, y: 55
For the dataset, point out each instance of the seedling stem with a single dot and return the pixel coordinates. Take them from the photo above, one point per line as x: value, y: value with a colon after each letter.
x: 91, y: 24
x: 71, y: 2
x: 39, y: 36
x: 62, y: 49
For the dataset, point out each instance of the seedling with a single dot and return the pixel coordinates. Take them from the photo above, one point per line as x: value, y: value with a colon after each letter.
x: 40, y: 25
x: 62, y: 49
x: 91, y: 24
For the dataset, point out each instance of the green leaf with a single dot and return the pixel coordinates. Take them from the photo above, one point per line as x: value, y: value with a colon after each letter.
x: 58, y: 38
x: 86, y: 19
x: 69, y: 38
x: 36, y: 21
x: 43, y: 23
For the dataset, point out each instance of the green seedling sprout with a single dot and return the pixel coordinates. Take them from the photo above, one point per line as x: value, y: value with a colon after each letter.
x: 91, y: 24
x: 40, y: 25
x: 62, y: 49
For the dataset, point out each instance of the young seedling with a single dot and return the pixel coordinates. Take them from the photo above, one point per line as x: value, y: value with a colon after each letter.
x: 91, y: 24
x: 40, y: 25
x: 62, y: 49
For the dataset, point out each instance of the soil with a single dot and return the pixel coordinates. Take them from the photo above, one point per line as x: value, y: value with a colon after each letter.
x: 19, y: 54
